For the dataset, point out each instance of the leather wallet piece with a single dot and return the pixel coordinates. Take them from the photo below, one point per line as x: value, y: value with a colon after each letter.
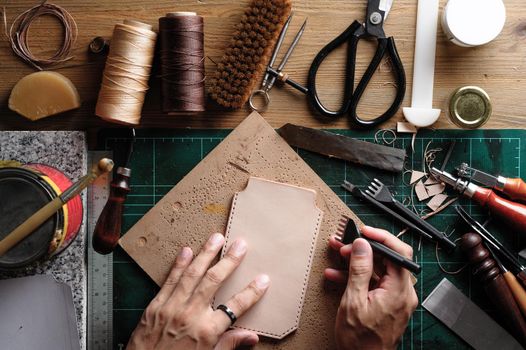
x: 280, y: 224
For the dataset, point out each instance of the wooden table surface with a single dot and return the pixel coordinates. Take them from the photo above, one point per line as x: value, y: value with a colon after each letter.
x: 498, y: 67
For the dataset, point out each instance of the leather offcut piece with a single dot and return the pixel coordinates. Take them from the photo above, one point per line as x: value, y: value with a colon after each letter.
x: 280, y: 224
x: 199, y: 205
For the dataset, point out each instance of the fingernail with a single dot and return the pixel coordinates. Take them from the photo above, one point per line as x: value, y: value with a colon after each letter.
x: 262, y: 281
x: 185, y: 253
x: 239, y: 247
x: 216, y: 239
x: 360, y: 247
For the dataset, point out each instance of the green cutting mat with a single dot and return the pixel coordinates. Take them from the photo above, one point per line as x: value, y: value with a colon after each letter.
x: 162, y: 158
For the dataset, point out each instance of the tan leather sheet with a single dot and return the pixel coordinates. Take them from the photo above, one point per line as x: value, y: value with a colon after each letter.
x: 280, y: 224
x: 199, y: 204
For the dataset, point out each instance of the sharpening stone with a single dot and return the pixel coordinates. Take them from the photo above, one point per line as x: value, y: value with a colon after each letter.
x: 466, y: 319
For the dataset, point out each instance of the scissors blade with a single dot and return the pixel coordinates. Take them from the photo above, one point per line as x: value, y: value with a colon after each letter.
x: 385, y: 5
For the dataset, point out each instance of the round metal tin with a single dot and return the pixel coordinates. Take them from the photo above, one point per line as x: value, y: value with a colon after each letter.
x: 470, y: 107
x: 470, y: 23
x: 72, y: 210
x: 23, y: 192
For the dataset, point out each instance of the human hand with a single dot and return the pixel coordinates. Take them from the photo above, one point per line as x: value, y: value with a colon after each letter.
x: 372, y: 315
x: 181, y: 315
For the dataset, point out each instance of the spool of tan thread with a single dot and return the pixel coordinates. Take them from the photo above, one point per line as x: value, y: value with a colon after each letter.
x: 125, y: 78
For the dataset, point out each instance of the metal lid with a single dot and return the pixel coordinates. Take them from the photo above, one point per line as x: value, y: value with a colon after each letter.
x: 23, y: 193
x: 470, y: 107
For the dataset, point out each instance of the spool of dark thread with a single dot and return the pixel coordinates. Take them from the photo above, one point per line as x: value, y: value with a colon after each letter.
x: 182, y: 63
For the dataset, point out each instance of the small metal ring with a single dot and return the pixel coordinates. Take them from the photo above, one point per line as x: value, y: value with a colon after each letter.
x: 231, y: 315
x: 266, y: 97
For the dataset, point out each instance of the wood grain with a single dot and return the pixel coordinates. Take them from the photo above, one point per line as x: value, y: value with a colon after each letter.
x: 498, y: 67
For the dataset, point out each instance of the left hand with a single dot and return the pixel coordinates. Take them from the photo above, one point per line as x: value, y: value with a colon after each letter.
x: 181, y: 316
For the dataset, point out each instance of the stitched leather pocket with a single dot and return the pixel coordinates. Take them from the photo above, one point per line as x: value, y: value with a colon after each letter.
x: 280, y: 224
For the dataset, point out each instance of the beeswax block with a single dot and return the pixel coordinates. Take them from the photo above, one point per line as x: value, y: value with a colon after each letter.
x: 42, y: 94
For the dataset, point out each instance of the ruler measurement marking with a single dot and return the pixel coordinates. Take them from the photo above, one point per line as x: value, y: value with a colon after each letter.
x: 100, y: 270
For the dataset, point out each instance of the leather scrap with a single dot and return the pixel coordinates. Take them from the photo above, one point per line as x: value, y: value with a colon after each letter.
x: 343, y: 147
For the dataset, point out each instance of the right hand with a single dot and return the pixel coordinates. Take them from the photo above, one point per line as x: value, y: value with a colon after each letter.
x: 373, y: 318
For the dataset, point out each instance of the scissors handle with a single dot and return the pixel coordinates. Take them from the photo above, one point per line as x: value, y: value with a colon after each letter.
x: 386, y: 46
x: 351, y: 99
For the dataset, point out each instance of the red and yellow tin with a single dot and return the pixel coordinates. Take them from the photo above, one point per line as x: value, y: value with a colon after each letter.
x: 24, y: 190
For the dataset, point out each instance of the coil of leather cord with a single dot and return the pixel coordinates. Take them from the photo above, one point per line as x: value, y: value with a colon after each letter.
x: 182, y: 63
x: 19, y: 32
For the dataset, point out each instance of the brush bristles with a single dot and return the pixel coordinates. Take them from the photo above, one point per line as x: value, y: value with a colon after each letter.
x: 249, y: 51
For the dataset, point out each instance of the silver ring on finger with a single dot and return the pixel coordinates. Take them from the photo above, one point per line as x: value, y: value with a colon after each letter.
x: 230, y: 314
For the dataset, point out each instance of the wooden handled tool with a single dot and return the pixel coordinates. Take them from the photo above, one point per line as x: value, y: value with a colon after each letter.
x: 486, y: 269
x: 490, y: 240
x: 514, y: 214
x: 515, y: 189
x: 516, y: 289
x: 108, y: 229
x: 518, y: 292
x: 34, y: 221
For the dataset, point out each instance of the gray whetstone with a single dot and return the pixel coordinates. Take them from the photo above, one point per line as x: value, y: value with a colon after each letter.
x: 466, y: 319
x: 67, y: 151
x: 36, y: 312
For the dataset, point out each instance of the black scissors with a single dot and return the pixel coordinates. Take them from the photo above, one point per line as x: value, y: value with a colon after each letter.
x: 377, y: 11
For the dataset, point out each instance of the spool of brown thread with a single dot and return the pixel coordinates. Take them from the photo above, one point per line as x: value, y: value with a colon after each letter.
x: 182, y: 63
x: 126, y: 74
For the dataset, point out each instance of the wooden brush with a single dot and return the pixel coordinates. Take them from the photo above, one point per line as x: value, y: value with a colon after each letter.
x: 248, y: 52
x: 105, y: 165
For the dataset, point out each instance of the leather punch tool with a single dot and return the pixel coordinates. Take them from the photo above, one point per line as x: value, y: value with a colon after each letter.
x: 348, y: 231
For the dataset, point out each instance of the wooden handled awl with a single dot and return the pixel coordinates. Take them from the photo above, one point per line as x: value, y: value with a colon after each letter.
x: 515, y: 189
x: 108, y: 228
x: 485, y: 268
x: 34, y: 221
x: 516, y: 289
x: 494, y: 243
x: 513, y: 214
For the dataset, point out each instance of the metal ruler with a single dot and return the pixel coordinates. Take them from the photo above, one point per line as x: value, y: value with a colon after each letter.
x: 100, y: 267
